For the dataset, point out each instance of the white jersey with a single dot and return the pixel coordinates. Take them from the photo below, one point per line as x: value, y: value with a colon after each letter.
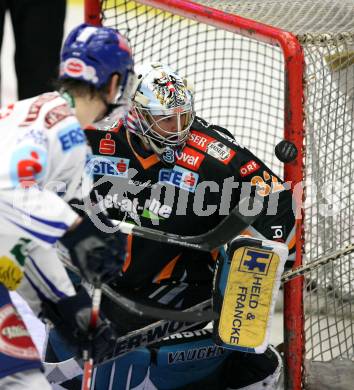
x: 43, y: 152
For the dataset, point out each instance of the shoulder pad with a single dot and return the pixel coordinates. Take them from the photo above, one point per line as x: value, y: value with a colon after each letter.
x: 200, y: 124
x: 223, y: 132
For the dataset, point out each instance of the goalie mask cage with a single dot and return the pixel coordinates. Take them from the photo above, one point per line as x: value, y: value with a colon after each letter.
x: 268, y: 70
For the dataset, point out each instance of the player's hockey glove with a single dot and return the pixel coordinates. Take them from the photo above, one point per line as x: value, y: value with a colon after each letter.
x: 71, y: 318
x: 98, y: 255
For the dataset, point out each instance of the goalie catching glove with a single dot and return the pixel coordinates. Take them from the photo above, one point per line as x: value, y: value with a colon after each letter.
x: 71, y: 318
x: 98, y: 255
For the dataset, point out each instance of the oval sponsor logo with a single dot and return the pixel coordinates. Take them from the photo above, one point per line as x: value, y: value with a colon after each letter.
x: 15, y: 340
x: 74, y: 67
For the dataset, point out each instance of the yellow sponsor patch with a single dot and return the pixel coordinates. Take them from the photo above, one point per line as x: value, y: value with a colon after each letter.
x: 10, y: 273
x: 248, y: 297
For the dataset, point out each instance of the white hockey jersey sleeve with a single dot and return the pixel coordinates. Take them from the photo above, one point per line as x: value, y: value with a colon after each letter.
x: 44, y: 152
x: 43, y: 155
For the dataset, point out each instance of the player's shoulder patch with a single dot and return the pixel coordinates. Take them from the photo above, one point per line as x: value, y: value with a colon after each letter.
x: 35, y: 107
x: 208, y: 141
x: 57, y: 114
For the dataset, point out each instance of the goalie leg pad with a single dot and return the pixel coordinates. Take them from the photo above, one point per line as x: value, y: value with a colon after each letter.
x: 255, y: 372
x: 246, y: 286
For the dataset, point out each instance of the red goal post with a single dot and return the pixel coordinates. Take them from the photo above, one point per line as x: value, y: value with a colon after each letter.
x: 293, y: 128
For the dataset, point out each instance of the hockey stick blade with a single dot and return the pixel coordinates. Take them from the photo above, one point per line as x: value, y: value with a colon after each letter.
x: 231, y: 226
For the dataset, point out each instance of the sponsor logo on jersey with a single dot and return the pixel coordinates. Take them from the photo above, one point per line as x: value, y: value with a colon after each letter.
x: 36, y: 106
x: 190, y: 158
x: 56, y: 115
x: 179, y: 177
x: 110, y: 166
x: 156, y: 210
x: 10, y: 273
x: 267, y: 184
x: 27, y: 166
x: 152, y: 209
x: 107, y: 145
x: 169, y: 155
x: 6, y: 111
x: 211, y: 146
x: 199, y: 140
x: 34, y: 136
x: 220, y: 151
x: 15, y: 340
x: 248, y: 168
x: 71, y: 137
x: 278, y: 232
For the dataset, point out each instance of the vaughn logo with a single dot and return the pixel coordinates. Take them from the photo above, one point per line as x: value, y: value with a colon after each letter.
x: 220, y: 151
x: 201, y: 353
x: 190, y: 158
x: 15, y: 340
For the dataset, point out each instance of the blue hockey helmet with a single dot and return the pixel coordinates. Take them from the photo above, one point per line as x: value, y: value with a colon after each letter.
x: 93, y: 54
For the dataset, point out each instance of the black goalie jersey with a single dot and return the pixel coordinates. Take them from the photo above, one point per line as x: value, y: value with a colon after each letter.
x: 189, y: 197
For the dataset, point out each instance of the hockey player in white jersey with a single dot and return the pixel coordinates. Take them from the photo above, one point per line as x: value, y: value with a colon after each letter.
x: 43, y: 153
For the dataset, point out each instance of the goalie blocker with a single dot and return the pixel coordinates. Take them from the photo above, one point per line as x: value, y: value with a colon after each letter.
x: 246, y: 285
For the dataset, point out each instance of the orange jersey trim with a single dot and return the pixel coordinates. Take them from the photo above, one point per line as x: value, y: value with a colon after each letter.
x: 147, y: 162
x: 214, y: 254
x: 128, y: 258
x: 167, y: 270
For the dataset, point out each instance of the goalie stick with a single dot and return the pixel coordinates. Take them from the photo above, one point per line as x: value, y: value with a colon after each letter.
x: 231, y: 226
x: 141, y: 309
x: 68, y: 369
x: 155, y: 312
x: 87, y: 355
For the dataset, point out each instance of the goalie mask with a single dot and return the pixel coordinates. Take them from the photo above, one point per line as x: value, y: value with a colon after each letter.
x: 162, y: 110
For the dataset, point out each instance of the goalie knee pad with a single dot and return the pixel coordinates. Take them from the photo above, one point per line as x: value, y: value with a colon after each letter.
x: 254, y: 371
